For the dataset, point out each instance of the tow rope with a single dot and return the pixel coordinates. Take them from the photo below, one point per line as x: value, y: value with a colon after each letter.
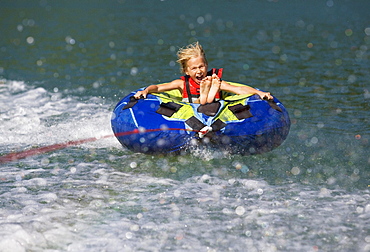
x: 14, y: 156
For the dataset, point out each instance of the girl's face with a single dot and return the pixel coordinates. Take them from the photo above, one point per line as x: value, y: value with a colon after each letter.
x: 196, y: 68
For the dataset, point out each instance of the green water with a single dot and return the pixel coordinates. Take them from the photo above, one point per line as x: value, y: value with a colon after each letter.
x: 65, y: 64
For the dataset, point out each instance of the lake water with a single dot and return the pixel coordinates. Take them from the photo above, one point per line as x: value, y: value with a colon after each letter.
x: 64, y: 65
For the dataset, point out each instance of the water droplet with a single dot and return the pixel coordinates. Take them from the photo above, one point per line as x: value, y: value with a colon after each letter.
x: 276, y: 49
x: 134, y: 71
x: 295, y: 170
x: 30, y: 40
x: 133, y: 165
x: 348, y: 32
x: 200, y: 20
x: 314, y: 140
x: 367, y: 31
x: 240, y: 210
x: 177, y: 193
x: 330, y: 3
x: 129, y: 235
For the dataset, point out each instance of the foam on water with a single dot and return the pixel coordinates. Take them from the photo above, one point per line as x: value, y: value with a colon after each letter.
x: 119, y: 202
x: 33, y: 116
x: 97, y: 208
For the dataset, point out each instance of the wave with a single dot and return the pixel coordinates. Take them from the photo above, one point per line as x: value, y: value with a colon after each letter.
x: 32, y: 116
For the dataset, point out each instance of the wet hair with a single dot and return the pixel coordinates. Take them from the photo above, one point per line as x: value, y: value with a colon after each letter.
x: 191, y: 51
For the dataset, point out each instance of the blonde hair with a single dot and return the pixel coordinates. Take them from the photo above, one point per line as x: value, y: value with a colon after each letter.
x: 191, y: 51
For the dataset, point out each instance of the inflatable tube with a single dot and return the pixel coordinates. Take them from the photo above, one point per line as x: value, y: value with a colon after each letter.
x: 162, y: 123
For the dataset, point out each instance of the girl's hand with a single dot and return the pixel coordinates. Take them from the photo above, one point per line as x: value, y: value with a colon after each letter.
x: 265, y: 95
x: 140, y: 94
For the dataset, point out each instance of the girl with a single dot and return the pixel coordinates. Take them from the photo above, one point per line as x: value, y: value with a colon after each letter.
x: 199, y: 84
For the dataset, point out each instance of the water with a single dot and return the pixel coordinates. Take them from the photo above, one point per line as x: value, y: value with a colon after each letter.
x: 64, y: 66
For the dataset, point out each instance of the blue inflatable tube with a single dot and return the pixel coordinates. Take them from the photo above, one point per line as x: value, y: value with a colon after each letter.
x: 162, y: 123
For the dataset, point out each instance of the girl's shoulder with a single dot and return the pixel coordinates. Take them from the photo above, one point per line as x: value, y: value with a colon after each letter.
x: 178, y: 82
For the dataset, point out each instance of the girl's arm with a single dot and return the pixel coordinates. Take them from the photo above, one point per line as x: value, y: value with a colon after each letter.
x: 244, y: 90
x: 176, y: 84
